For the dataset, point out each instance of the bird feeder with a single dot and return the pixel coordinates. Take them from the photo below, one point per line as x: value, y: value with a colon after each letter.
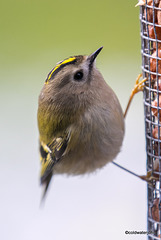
x: 150, y: 21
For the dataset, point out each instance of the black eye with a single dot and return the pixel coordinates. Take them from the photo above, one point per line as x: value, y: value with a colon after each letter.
x: 78, y: 76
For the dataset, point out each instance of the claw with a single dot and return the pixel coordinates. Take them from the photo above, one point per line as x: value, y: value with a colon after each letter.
x: 137, y: 88
x: 150, y: 178
x: 139, y: 85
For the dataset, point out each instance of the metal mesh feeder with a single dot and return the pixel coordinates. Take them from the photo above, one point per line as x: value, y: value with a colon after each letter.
x: 150, y: 20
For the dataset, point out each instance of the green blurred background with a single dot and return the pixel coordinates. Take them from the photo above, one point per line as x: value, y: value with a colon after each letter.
x: 35, y: 35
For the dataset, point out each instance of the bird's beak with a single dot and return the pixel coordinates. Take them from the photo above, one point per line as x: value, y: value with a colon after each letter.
x: 93, y: 56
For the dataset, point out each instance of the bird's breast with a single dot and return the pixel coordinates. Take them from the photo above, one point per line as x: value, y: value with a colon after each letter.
x: 95, y: 140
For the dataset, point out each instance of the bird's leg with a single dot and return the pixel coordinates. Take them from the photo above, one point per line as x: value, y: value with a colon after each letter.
x: 137, y: 88
x: 148, y: 178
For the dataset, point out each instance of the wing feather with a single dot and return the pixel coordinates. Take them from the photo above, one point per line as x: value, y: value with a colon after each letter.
x: 50, y: 154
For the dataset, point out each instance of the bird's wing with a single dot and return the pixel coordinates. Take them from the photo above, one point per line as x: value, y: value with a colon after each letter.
x: 50, y: 154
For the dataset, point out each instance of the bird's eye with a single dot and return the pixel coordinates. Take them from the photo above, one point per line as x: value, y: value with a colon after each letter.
x: 78, y: 76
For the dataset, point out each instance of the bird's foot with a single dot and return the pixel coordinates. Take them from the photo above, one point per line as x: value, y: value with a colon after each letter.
x: 138, y: 85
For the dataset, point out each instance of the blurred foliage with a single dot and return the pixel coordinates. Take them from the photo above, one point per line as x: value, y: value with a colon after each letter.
x: 31, y: 28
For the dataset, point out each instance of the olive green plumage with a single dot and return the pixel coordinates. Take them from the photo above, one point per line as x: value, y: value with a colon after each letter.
x: 80, y: 120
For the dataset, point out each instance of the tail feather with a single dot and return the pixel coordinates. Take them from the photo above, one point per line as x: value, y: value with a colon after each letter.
x: 45, y: 182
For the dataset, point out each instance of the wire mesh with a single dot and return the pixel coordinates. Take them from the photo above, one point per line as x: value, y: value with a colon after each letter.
x: 150, y: 21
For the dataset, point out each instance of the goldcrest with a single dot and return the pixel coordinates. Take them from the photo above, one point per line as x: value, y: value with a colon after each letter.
x: 80, y: 120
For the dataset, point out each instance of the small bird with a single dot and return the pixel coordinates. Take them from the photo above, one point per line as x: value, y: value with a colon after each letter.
x: 80, y: 119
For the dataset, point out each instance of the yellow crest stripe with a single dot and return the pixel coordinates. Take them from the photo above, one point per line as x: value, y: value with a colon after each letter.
x: 68, y: 60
